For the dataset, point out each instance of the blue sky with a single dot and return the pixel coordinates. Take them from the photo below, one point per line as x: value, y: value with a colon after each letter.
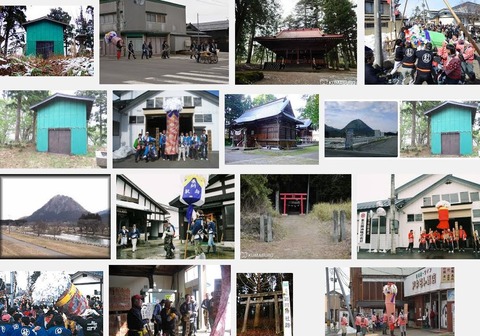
x: 379, y: 115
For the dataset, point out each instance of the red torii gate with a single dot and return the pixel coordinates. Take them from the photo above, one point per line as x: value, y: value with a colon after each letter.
x: 285, y: 197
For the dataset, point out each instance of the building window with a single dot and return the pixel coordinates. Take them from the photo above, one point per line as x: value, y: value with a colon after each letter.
x: 454, y: 198
x: 414, y: 217
x: 464, y: 197
x: 383, y: 225
x: 446, y: 197
x: 368, y: 7
x: 474, y: 196
x: 150, y: 103
x: 156, y: 17
x: 116, y: 128
x: 427, y: 201
x: 136, y: 119
x: 191, y: 274
x: 197, y: 101
x: 108, y: 18
x: 199, y: 118
x: 159, y: 102
x: 476, y: 213
x: 188, y: 101
x: 435, y: 199
x: 371, y: 25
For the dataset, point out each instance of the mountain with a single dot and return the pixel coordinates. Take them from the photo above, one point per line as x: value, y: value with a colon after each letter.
x: 358, y: 126
x: 58, y: 208
x: 105, y: 215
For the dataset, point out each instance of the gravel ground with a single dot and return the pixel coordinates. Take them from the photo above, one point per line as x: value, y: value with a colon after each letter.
x: 322, y: 77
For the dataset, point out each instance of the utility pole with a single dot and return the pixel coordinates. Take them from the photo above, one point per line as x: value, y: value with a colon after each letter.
x: 350, y: 315
x: 392, y: 209
x: 377, y: 26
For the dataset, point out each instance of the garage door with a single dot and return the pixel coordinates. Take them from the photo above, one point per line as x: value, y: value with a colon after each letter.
x: 451, y: 143
x: 59, y: 140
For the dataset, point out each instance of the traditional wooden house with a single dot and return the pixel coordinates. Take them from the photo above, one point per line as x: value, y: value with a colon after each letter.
x: 215, y: 30
x: 306, y: 131
x: 300, y: 46
x: 219, y: 206
x: 61, y: 124
x: 451, y: 130
x: 271, y: 124
x: 134, y: 206
x: 44, y: 37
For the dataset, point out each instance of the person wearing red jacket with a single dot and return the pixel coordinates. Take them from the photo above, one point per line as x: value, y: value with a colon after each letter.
x: 410, y: 241
x: 364, y: 325
x: 402, y: 322
x: 385, y: 323
x: 344, y: 324
x: 462, y: 239
x: 391, y: 324
x: 423, y: 242
x: 453, y: 70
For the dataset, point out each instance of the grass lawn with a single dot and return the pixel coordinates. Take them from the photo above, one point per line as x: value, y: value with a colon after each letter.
x: 28, y: 157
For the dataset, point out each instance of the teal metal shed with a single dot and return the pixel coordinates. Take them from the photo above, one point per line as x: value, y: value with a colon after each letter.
x: 44, y: 37
x: 61, y: 124
x: 451, y: 128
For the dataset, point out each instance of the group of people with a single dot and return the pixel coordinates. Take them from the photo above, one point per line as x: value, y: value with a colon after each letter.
x: 41, y: 320
x: 446, y: 240
x: 147, y: 50
x: 190, y: 145
x: 205, y: 46
x: 166, y: 317
x: 364, y: 324
x: 125, y: 235
x: 201, y: 228
x: 452, y: 63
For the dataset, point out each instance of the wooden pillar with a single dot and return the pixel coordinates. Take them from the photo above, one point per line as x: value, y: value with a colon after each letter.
x: 247, y: 308
x: 301, y: 205
x: 277, y: 319
x: 284, y: 205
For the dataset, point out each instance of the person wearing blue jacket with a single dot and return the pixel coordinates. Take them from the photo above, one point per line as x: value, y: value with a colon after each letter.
x: 134, y: 235
x: 212, y: 231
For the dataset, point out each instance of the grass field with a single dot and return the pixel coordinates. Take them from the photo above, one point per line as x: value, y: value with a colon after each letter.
x: 25, y: 247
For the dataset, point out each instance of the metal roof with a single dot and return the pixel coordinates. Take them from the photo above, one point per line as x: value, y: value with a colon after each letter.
x: 472, y: 108
x: 274, y: 108
x: 58, y: 96
x: 211, y: 26
x: 44, y: 18
x: 306, y: 123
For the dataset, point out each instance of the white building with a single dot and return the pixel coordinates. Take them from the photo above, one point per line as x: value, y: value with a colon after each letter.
x: 135, y: 112
x: 89, y: 283
x: 415, y: 210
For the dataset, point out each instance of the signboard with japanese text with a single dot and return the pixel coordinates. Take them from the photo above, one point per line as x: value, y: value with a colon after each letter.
x: 362, y: 225
x: 287, y: 316
x: 429, y: 279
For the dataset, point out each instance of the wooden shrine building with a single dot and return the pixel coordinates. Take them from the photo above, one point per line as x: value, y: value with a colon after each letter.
x: 300, y: 46
x: 269, y: 125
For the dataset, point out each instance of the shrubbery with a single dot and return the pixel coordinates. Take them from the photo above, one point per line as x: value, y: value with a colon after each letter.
x: 324, y: 211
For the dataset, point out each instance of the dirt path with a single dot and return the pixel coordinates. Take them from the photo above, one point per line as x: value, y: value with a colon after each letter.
x: 305, y: 238
x: 14, y: 248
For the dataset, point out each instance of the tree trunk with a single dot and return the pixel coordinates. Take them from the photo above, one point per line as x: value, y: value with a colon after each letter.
x: 218, y: 328
x: 250, y: 42
x: 414, y: 114
x: 19, y: 117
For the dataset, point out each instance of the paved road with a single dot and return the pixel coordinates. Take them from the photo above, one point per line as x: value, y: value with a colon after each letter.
x: 129, y: 162
x: 42, y: 252
x: 387, y: 148
x: 240, y: 157
x: 178, y: 69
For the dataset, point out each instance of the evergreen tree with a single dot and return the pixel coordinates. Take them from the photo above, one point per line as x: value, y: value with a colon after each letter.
x: 58, y: 14
x: 13, y: 17
x: 98, y: 132
x: 311, y: 110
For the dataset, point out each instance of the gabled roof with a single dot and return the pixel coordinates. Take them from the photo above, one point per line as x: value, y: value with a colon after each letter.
x: 61, y: 96
x: 401, y: 203
x: 305, y: 123
x: 279, y: 107
x: 95, y: 274
x: 211, y: 26
x: 439, y: 108
x: 125, y: 105
x: 44, y: 18
x: 140, y: 191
